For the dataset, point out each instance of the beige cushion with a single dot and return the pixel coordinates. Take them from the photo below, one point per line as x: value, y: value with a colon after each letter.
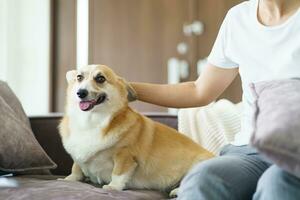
x: 19, y: 150
x: 211, y: 126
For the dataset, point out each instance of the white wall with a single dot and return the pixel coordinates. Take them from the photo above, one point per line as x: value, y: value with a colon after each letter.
x: 3, y: 31
x: 25, y: 51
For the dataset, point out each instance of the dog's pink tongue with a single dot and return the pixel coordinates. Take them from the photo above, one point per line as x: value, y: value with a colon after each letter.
x: 86, y: 105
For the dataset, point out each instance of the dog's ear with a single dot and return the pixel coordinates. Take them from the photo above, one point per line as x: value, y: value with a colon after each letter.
x: 70, y: 75
x: 131, y: 93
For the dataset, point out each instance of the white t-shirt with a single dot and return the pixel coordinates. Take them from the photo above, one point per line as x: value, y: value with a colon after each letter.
x: 260, y: 52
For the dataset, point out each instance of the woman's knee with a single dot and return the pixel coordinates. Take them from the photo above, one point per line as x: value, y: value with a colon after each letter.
x: 275, y: 183
x: 202, y: 178
x: 201, y: 173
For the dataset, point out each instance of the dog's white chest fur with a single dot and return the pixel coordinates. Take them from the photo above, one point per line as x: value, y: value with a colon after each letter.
x: 87, y: 147
x: 82, y: 145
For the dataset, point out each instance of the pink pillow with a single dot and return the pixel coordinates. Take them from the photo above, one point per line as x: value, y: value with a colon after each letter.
x: 277, y: 122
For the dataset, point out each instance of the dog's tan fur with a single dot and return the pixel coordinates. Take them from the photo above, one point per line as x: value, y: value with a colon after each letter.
x: 115, y: 145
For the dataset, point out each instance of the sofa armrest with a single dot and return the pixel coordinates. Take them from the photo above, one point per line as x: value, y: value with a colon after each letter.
x: 46, y: 132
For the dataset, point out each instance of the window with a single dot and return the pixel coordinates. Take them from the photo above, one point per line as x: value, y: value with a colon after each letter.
x: 25, y: 51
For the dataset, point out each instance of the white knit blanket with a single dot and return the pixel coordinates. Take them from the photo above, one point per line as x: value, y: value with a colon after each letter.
x: 211, y: 126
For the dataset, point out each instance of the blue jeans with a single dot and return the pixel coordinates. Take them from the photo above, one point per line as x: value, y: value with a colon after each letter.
x: 239, y: 173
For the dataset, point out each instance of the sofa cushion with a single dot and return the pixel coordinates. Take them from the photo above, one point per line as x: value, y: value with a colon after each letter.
x: 211, y: 126
x: 48, y: 188
x: 19, y: 150
x: 277, y: 122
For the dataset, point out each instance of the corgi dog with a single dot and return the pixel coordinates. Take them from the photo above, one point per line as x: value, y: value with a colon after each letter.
x: 115, y: 146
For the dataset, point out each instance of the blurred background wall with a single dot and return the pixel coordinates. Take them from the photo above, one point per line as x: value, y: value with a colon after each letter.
x: 157, y: 41
x: 25, y: 51
x: 137, y: 38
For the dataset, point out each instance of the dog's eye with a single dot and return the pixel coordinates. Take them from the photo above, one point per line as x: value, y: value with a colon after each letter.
x: 100, y: 79
x: 79, y: 77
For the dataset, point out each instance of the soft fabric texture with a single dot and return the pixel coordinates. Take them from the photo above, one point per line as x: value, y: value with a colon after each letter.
x: 19, y: 150
x: 277, y: 122
x: 240, y: 173
x: 211, y: 126
x: 260, y: 52
x: 48, y: 188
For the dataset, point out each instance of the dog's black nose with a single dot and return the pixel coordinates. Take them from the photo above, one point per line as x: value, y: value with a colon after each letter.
x: 82, y: 93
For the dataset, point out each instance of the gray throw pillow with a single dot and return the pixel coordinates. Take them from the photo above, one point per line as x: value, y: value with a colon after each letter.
x: 19, y: 150
x: 277, y: 122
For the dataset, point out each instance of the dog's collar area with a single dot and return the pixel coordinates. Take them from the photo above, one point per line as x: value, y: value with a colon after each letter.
x: 87, y: 105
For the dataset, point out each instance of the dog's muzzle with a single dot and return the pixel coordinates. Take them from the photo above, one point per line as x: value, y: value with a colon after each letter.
x: 82, y: 93
x: 86, y: 105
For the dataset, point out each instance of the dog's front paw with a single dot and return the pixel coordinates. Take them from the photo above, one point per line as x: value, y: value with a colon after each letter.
x: 173, y: 193
x: 112, y: 187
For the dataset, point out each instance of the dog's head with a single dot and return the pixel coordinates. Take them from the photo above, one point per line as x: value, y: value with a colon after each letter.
x: 95, y: 87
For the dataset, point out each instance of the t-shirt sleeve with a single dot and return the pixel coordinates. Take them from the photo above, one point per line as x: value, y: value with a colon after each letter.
x: 219, y: 54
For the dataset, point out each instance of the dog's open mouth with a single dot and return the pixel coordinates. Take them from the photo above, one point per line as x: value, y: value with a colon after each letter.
x: 89, y: 104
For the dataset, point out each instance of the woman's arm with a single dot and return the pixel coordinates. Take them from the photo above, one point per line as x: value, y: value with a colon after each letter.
x: 210, y: 84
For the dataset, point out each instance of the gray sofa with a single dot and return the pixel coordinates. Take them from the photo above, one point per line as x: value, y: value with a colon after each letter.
x: 47, y: 187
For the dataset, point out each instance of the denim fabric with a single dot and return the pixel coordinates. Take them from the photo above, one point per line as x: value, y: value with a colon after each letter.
x: 239, y: 173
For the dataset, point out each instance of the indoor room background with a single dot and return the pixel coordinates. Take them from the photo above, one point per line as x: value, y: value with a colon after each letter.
x: 157, y: 41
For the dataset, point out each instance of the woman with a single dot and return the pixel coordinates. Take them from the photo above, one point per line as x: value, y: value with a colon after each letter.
x: 260, y: 40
